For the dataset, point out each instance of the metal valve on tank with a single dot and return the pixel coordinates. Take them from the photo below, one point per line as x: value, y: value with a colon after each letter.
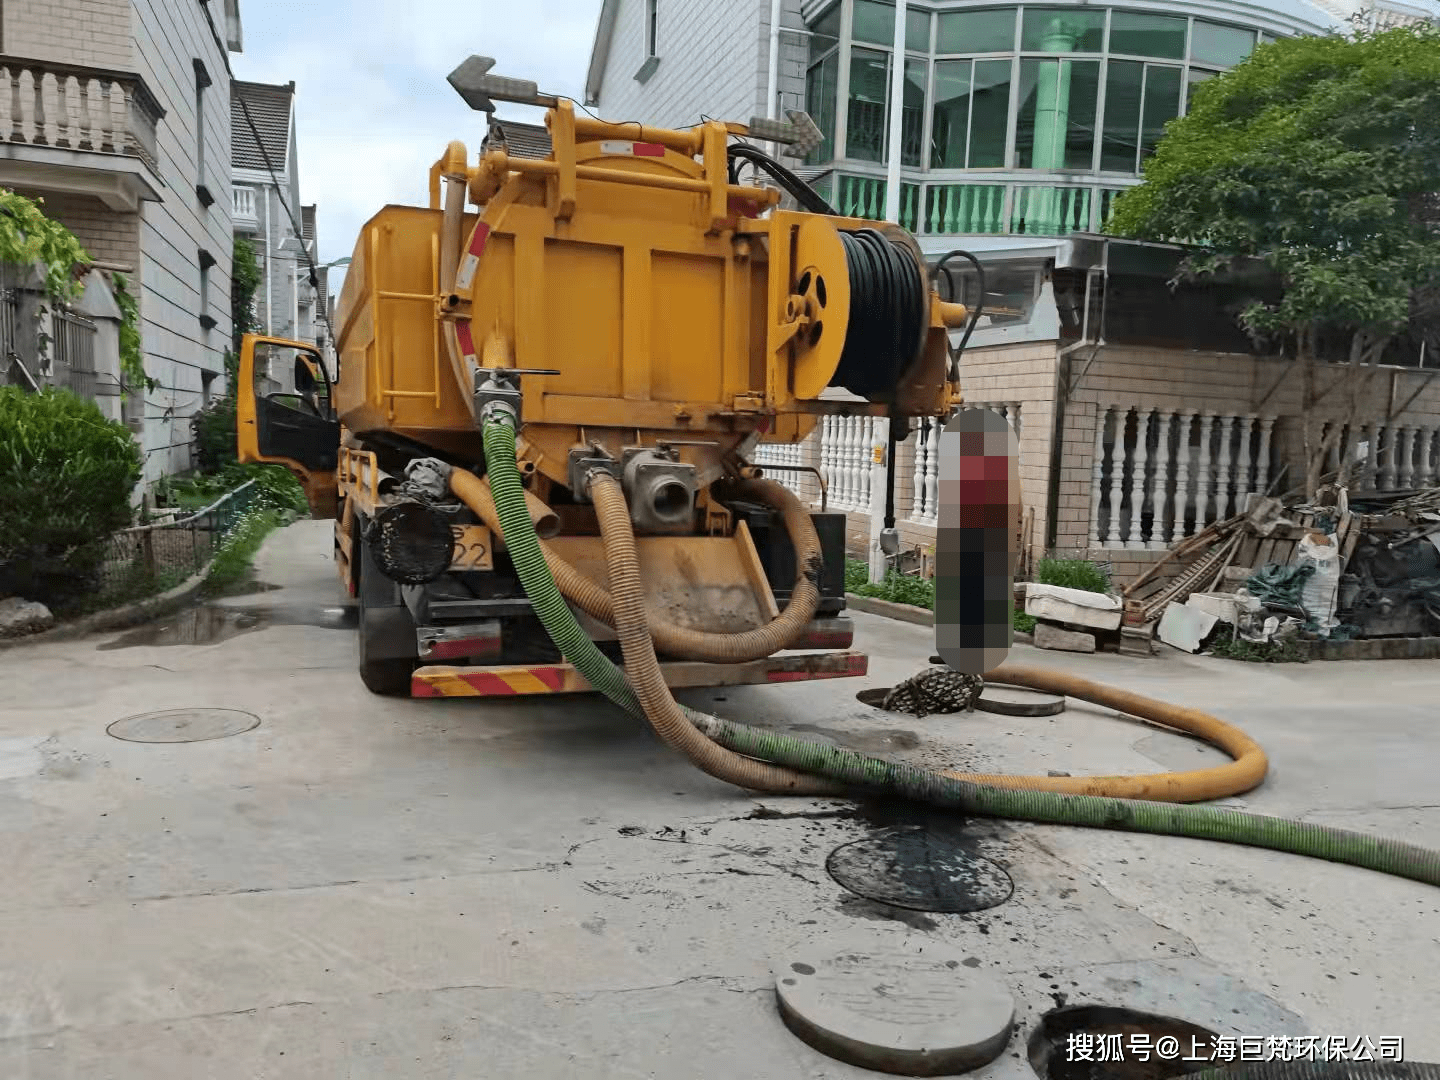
x: 660, y: 489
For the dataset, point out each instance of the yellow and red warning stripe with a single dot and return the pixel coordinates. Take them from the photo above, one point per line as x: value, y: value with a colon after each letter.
x: 500, y: 681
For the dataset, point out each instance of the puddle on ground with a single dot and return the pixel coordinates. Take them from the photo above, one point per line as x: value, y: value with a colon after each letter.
x: 211, y: 624
x: 248, y: 588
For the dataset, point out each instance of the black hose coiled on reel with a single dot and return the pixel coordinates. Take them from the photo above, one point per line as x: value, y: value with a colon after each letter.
x: 887, y: 314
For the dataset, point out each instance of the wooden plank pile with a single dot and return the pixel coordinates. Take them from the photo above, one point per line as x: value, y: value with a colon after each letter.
x: 1233, y: 549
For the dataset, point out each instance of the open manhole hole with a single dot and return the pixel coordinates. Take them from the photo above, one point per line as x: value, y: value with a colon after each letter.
x: 183, y: 725
x: 1004, y: 700
x: 920, y: 870
x: 1104, y: 1042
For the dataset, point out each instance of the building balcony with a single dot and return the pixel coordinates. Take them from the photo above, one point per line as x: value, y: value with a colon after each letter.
x: 244, y: 214
x: 985, y: 206
x: 79, y: 130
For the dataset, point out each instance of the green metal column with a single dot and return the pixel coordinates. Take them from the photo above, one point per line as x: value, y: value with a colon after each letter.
x: 1052, y: 115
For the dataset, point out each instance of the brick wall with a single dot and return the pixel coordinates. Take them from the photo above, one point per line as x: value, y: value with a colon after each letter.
x: 108, y: 235
x: 93, y: 32
x: 1224, y: 384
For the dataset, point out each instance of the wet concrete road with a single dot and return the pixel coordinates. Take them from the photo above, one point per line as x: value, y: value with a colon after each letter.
x: 369, y: 888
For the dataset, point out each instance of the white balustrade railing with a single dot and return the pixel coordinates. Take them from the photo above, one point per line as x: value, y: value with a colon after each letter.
x: 1384, y: 456
x: 1166, y: 473
x: 1160, y: 475
x: 787, y: 455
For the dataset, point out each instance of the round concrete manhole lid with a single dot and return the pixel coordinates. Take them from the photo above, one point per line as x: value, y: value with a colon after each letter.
x: 1018, y: 701
x: 183, y: 725
x: 909, y: 1013
x: 920, y: 870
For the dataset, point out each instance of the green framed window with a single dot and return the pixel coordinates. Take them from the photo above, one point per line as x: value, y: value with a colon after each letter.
x: 824, y: 33
x: 1055, y: 128
x: 1140, y: 99
x: 1053, y: 30
x: 1161, y: 36
x: 1222, y: 46
x: 873, y: 22
x: 869, y: 96
x: 821, y: 86
x: 983, y: 31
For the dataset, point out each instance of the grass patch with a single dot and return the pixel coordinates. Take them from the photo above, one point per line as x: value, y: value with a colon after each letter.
x: 231, y: 565
x: 1259, y: 652
x: 1072, y: 574
x: 1022, y: 622
x: 896, y: 588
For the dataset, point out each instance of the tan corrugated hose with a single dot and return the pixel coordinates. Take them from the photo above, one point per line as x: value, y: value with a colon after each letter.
x: 642, y: 667
x: 1199, y: 785
x: 681, y: 642
x: 1240, y: 775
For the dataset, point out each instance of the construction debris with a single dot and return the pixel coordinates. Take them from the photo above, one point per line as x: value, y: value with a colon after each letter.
x: 1342, y: 567
x: 1076, y: 607
x: 1050, y: 636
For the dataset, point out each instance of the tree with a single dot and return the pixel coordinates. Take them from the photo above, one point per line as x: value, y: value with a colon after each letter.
x: 244, y: 280
x: 213, y: 427
x: 1319, y: 157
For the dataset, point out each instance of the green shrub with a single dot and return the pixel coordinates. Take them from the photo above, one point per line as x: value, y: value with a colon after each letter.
x: 1022, y: 622
x: 66, y: 479
x: 896, y: 588
x: 1072, y: 574
x: 232, y: 562
x: 1233, y: 647
x: 276, y: 488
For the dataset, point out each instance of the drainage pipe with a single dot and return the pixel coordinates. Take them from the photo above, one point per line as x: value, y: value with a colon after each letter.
x: 832, y: 770
x: 682, y: 642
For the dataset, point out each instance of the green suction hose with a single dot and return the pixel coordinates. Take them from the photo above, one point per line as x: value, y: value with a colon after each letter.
x: 879, y: 777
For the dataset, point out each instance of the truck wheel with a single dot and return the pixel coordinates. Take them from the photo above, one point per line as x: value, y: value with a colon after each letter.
x: 386, y: 677
x: 386, y: 633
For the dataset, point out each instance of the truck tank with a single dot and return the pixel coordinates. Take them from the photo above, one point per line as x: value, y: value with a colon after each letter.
x: 639, y: 312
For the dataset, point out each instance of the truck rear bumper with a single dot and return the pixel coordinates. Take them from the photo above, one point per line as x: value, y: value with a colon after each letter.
x: 443, y: 681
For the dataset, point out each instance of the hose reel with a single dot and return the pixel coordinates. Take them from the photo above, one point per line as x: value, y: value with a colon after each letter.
x: 888, y: 294
x: 866, y: 292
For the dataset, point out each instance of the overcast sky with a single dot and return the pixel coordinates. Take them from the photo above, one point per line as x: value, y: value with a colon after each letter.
x: 374, y: 109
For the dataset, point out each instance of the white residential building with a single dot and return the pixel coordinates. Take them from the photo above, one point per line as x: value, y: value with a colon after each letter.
x: 265, y: 168
x: 115, y: 114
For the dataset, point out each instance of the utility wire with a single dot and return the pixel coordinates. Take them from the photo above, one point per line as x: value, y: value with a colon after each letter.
x: 299, y: 232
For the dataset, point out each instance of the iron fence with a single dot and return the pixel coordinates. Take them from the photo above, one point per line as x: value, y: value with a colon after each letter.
x: 147, y: 559
x: 13, y: 371
x: 74, y: 350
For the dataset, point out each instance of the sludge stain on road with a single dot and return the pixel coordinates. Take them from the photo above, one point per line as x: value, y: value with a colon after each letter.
x: 210, y: 624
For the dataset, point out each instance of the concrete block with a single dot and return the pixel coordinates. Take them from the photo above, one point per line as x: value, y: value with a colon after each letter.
x: 1074, y: 606
x: 1049, y: 636
x: 1185, y: 627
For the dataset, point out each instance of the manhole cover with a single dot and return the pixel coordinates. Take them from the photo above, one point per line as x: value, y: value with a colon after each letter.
x: 920, y: 870
x: 183, y: 725
x: 1017, y: 701
x: 1138, y: 1045
x: 913, y: 1013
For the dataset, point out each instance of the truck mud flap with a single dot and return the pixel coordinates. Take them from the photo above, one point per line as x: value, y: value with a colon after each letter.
x: 444, y: 681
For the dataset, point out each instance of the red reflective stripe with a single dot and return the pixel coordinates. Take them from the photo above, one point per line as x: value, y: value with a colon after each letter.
x: 421, y: 688
x: 462, y: 333
x: 487, y: 683
x: 477, y: 241
x: 648, y: 149
x: 553, y: 677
